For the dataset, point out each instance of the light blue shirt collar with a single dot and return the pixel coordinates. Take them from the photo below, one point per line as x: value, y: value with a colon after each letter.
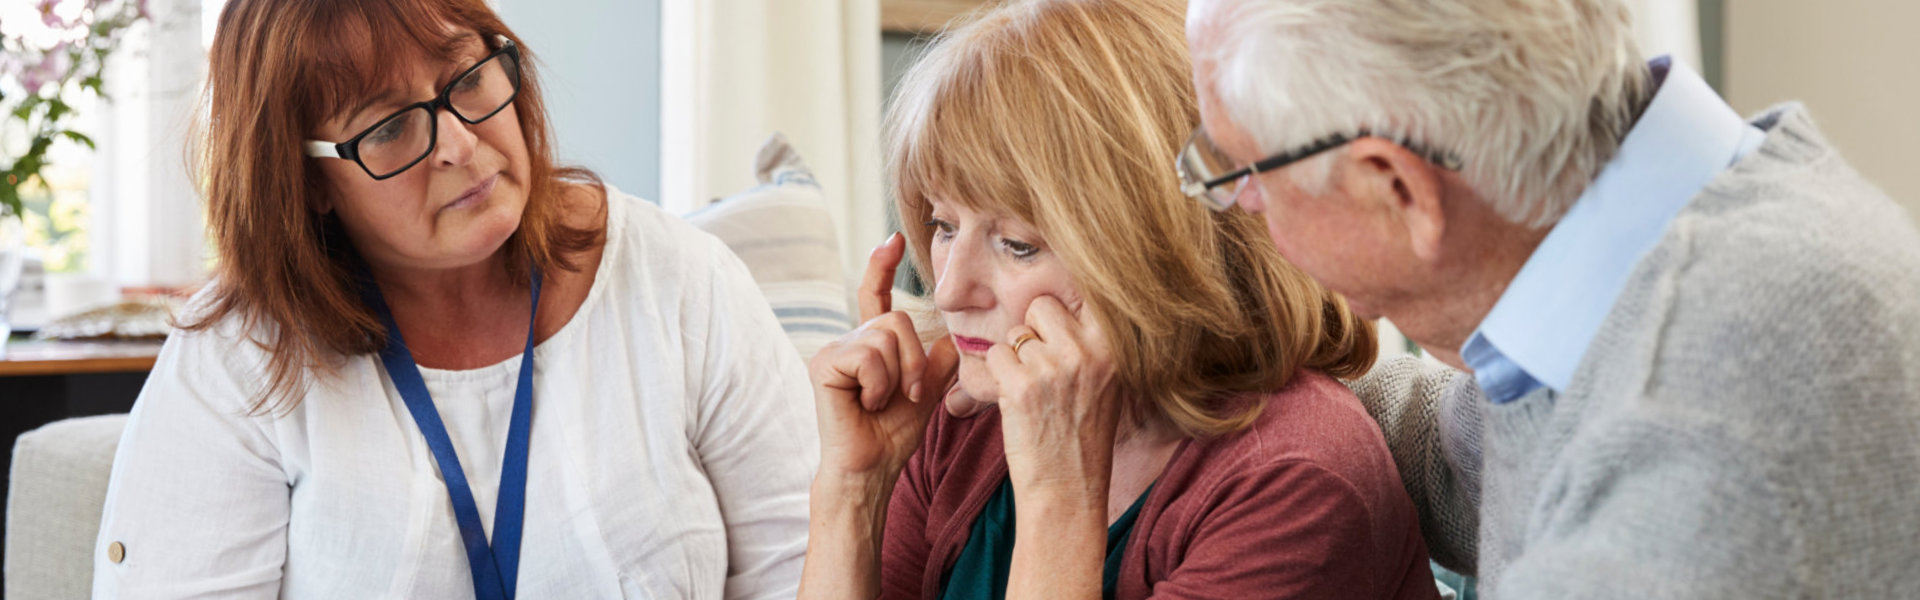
x: 1540, y: 328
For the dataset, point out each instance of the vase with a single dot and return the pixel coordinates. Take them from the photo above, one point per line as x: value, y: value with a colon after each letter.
x: 13, y: 251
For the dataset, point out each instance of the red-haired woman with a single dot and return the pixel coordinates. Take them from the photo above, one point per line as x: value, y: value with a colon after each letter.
x: 435, y: 365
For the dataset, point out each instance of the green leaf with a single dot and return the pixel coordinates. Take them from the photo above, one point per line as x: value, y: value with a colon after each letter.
x: 10, y: 200
x: 57, y: 108
x: 79, y: 137
x: 25, y: 110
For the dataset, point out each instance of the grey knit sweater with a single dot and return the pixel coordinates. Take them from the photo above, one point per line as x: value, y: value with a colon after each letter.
x: 1746, y: 424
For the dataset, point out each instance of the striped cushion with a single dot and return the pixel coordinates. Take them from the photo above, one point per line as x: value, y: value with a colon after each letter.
x: 782, y: 231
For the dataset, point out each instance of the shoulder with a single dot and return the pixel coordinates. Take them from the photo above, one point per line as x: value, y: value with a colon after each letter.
x: 656, y: 262
x: 1783, y: 298
x: 221, y: 366
x: 1788, y: 249
x: 1312, y: 430
x: 1314, y: 419
x: 240, y: 342
x: 641, y: 232
x: 1792, y: 228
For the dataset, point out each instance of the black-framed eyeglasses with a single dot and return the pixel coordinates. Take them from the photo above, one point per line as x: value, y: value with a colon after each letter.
x: 407, y: 136
x: 1207, y: 175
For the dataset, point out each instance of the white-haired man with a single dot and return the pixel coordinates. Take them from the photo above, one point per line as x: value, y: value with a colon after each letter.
x: 1698, y: 338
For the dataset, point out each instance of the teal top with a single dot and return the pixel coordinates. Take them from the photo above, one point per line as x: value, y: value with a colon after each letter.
x: 982, y: 569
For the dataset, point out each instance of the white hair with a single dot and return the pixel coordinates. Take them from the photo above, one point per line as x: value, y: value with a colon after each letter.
x: 1532, y: 96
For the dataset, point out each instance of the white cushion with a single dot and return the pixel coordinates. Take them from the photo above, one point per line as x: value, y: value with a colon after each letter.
x: 781, y: 229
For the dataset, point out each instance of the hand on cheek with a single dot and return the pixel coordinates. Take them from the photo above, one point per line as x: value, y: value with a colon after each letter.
x: 1057, y: 411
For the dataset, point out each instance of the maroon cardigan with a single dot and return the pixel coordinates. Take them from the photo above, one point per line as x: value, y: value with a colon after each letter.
x: 1306, y: 503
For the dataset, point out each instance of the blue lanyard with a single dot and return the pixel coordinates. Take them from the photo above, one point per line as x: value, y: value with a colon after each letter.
x: 496, y: 568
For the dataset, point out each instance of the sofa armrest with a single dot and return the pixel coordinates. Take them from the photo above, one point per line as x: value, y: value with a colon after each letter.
x: 55, y: 494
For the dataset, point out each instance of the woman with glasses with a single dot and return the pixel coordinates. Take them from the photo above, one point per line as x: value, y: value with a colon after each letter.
x: 1139, y: 394
x: 434, y: 364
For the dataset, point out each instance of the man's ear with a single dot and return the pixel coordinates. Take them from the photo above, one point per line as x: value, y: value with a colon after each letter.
x: 1404, y: 185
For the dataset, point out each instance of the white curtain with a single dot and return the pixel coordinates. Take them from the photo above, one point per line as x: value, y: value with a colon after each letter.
x: 147, y: 226
x: 736, y: 71
x: 1669, y: 27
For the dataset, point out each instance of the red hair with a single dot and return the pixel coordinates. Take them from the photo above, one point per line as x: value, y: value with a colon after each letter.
x: 279, y: 68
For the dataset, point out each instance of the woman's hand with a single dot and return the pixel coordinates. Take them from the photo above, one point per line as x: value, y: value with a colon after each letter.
x: 875, y: 387
x: 874, y: 390
x: 1056, y: 405
x: 1059, y: 418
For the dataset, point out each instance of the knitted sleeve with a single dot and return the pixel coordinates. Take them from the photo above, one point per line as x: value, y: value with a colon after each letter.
x: 1430, y: 417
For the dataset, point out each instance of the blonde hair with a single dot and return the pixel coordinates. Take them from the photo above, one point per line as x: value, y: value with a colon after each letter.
x: 1066, y: 114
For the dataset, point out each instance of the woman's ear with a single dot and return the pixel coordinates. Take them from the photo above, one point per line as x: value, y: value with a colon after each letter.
x: 319, y: 193
x: 1404, y: 185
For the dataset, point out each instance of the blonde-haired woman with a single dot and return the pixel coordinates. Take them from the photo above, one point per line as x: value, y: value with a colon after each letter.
x: 1147, y: 377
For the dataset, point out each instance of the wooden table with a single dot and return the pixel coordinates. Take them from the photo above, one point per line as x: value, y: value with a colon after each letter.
x: 72, y: 358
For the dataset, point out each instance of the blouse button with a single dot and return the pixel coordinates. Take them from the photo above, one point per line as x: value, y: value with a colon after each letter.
x: 116, y: 552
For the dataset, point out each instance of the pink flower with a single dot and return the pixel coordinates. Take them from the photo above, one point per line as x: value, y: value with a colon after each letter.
x: 46, y: 14
x: 53, y: 66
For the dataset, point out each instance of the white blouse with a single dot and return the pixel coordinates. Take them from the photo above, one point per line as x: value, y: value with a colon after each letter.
x: 672, y: 447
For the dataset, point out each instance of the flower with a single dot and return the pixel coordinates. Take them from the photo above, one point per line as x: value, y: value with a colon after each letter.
x: 100, y: 6
x: 53, y: 66
x: 10, y: 66
x: 46, y: 14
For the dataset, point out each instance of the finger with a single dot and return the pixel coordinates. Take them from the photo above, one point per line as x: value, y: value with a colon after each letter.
x: 888, y: 345
x: 876, y: 287
x: 1093, y: 334
x: 862, y: 370
x: 1016, y: 334
x: 1004, y: 366
x: 962, y: 404
x: 871, y: 362
x: 942, y: 362
x: 830, y: 370
x: 910, y: 356
x: 1050, y: 319
x: 927, y: 396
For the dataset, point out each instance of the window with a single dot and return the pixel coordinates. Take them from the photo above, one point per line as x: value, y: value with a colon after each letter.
x: 56, y: 211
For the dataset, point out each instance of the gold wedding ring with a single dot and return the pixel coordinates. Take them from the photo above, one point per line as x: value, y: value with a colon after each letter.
x: 1022, y: 339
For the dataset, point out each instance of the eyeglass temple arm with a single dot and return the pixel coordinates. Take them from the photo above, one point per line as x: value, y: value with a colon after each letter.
x: 319, y: 149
